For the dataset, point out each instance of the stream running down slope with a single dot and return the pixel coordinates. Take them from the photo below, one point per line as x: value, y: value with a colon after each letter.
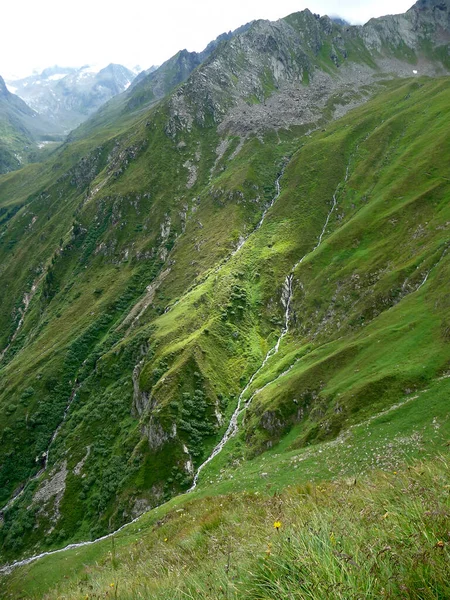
x: 232, y: 428
x: 286, y: 298
x: 27, y: 298
x: 45, y: 455
x: 243, y: 240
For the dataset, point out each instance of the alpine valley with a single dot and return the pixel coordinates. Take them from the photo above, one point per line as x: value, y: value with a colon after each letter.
x: 45, y: 107
x: 67, y: 96
x: 225, y: 318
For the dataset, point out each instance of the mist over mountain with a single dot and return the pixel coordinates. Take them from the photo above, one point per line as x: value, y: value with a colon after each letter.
x: 339, y: 20
x: 225, y: 308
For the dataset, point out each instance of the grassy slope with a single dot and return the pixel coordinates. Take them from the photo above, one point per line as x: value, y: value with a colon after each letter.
x: 359, y: 292
x: 223, y: 327
x: 360, y: 534
x: 59, y: 333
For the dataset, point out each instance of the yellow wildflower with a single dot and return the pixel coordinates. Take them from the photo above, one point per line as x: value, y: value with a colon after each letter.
x: 277, y: 525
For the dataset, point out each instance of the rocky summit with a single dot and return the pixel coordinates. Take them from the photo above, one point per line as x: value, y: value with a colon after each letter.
x: 225, y: 326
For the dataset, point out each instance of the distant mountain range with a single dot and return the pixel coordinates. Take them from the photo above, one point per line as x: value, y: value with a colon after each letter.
x: 66, y: 96
x: 22, y: 130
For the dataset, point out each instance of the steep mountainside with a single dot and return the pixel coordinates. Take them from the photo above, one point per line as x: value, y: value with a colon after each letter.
x: 252, y: 267
x: 152, y: 85
x: 252, y: 80
x: 159, y: 82
x: 67, y: 96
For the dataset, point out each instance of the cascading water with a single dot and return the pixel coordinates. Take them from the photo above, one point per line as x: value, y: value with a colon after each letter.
x: 232, y: 428
x: 27, y: 298
x: 286, y: 298
x: 243, y: 241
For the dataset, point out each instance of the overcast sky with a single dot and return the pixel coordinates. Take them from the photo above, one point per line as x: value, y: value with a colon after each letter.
x: 41, y: 33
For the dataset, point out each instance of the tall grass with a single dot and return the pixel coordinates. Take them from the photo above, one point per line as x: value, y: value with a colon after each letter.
x: 387, y: 536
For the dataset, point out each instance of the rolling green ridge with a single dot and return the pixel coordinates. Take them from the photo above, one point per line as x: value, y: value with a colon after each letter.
x: 21, y: 128
x: 17, y: 142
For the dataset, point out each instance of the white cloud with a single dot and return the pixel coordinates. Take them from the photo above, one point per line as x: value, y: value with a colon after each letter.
x: 36, y: 35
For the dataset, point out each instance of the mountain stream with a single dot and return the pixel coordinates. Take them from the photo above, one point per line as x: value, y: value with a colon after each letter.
x: 232, y: 428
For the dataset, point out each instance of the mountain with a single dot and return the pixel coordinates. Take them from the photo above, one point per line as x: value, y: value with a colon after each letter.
x: 152, y: 85
x: 143, y: 73
x: 15, y: 139
x: 67, y: 96
x: 22, y: 131
x: 263, y: 57
x: 157, y: 83
x: 214, y: 298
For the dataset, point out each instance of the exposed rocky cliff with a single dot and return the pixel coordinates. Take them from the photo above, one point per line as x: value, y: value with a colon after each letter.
x: 287, y: 73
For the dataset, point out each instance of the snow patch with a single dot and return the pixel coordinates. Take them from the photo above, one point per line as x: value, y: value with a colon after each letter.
x: 56, y: 77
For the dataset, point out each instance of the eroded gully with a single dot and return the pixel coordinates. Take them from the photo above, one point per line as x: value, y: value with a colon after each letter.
x: 45, y: 455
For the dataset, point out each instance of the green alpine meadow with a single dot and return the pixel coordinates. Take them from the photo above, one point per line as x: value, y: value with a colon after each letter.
x: 225, y: 324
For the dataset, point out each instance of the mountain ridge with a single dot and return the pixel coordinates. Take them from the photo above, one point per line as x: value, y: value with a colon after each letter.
x: 154, y: 84
x: 325, y: 46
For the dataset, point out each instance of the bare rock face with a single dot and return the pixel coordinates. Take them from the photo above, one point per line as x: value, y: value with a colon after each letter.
x: 156, y: 434
x: 275, y: 75
x: 141, y: 402
x: 427, y: 19
x: 435, y: 12
x: 52, y: 487
x: 50, y: 494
